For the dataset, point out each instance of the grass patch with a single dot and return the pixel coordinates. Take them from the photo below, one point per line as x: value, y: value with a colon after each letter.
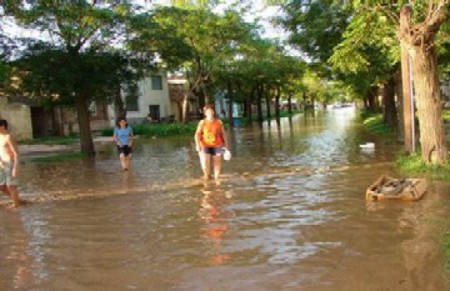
x: 446, y: 115
x: 61, y: 158
x: 374, y: 123
x: 164, y: 129
x: 414, y: 164
x: 63, y: 140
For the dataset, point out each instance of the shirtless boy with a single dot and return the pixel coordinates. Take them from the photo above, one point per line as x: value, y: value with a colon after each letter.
x: 9, y: 163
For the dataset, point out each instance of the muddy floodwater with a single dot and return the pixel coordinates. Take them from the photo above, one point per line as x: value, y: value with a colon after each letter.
x: 289, y: 214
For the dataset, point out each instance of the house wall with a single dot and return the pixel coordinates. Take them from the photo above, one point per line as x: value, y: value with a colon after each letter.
x: 19, y: 120
x: 148, y: 97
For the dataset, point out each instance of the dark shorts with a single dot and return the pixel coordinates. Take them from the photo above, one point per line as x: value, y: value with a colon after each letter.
x: 213, y: 151
x: 125, y: 150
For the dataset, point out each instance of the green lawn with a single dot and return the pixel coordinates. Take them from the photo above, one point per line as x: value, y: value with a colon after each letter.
x: 64, y: 140
x: 373, y: 122
x: 61, y: 157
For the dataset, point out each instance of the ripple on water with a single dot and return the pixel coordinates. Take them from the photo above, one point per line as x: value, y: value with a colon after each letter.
x: 289, y: 214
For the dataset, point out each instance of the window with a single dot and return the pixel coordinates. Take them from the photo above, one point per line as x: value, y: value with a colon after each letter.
x: 157, y: 83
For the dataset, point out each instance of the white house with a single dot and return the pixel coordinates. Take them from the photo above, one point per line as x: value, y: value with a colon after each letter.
x: 153, y: 101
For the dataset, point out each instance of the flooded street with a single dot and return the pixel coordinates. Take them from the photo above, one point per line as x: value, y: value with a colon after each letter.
x: 289, y: 214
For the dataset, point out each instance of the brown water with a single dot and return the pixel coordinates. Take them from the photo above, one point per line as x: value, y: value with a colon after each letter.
x: 290, y: 214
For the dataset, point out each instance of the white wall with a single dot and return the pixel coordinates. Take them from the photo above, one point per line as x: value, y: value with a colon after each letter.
x: 151, y: 97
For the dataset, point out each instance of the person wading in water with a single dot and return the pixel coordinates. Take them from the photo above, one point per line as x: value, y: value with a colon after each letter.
x: 9, y: 164
x: 210, y: 141
x: 123, y: 136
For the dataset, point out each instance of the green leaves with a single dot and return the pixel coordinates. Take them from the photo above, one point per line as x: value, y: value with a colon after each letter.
x: 316, y: 26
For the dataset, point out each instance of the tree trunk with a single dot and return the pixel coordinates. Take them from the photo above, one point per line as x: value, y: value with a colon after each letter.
x: 58, y: 120
x: 313, y: 101
x: 230, y: 103
x: 84, y: 125
x: 366, y: 102
x: 290, y: 103
x: 258, y: 104
x: 371, y: 98
x: 267, y: 98
x: 305, y: 97
x: 418, y: 40
x: 248, y: 102
x: 390, y: 110
x: 429, y: 107
x: 185, y: 111
x: 206, y: 94
x: 248, y: 108
x: 277, y: 102
x: 404, y: 32
x: 399, y: 94
x: 119, y: 107
x: 180, y: 111
x: 245, y: 108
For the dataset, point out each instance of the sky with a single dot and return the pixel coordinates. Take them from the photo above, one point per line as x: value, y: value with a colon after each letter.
x: 258, y: 12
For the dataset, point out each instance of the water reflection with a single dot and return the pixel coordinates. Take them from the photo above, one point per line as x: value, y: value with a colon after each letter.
x: 20, y: 251
x: 216, y: 213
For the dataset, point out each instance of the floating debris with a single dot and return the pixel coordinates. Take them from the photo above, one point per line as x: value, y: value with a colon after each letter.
x: 367, y: 146
x: 388, y: 188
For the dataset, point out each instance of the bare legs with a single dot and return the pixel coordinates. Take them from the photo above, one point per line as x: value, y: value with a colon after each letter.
x: 205, y: 161
x: 217, y: 166
x: 128, y: 161
x: 12, y: 192
x: 125, y: 161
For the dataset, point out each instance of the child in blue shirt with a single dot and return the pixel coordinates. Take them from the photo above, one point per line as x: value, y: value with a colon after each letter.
x: 123, y: 136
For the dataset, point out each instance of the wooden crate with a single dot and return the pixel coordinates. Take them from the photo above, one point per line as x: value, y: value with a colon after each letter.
x: 388, y: 188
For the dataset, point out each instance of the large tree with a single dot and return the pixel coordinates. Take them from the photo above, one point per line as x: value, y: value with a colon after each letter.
x: 79, y: 31
x: 421, y: 23
x: 315, y: 26
x: 368, y: 59
x: 418, y: 24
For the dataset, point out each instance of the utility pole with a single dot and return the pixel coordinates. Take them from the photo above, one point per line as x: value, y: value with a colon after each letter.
x: 408, y: 113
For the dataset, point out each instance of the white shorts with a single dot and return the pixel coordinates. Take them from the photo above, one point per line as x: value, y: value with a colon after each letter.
x: 6, y: 177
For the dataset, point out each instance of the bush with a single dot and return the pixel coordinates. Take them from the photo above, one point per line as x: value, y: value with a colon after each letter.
x: 163, y: 129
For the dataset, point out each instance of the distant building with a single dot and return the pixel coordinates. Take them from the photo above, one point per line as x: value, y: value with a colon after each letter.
x: 30, y: 120
x: 177, y: 91
x: 152, y: 102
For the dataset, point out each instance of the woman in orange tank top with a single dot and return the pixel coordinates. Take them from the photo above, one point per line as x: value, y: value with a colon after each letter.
x: 210, y: 141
